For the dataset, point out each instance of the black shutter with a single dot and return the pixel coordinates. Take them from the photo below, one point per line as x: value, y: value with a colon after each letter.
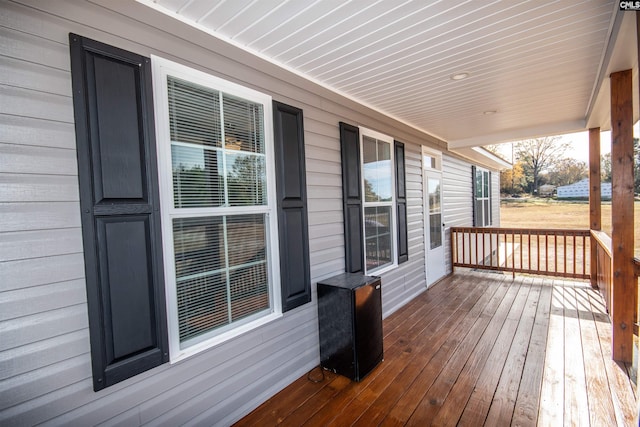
x: 401, y: 201
x: 474, y: 203
x: 291, y: 186
x: 120, y: 212
x: 351, y: 197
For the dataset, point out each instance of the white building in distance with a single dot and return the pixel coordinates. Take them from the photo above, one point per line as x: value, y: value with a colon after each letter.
x: 580, y: 189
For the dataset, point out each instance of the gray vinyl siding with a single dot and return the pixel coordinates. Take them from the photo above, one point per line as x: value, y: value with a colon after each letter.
x: 45, y: 363
x: 403, y: 284
x: 495, y: 198
x: 457, y: 199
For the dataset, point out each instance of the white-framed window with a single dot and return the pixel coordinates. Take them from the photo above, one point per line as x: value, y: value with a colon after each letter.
x: 378, y: 189
x: 482, y: 197
x: 431, y: 159
x: 217, y: 191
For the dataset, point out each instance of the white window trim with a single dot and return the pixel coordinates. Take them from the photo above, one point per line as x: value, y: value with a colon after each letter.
x: 161, y: 68
x: 481, y: 200
x: 394, y: 206
x: 432, y: 153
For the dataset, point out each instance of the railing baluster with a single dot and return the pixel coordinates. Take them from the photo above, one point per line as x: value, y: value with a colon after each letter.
x: 555, y: 253
x: 513, y: 249
x: 538, y: 250
x: 498, y: 248
x: 574, y: 256
x: 564, y: 252
x: 523, y: 260
x: 529, y: 253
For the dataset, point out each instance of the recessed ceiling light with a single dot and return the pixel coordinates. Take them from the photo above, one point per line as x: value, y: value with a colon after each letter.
x: 489, y: 112
x: 459, y: 76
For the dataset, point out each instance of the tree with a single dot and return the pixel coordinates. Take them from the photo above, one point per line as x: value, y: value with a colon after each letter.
x: 567, y: 171
x: 605, y: 167
x: 539, y: 155
x: 512, y: 181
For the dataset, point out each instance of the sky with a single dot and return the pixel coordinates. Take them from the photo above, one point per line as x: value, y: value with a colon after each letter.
x: 579, y: 144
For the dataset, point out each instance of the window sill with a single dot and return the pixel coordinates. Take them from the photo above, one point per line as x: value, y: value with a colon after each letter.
x: 382, y: 270
x: 212, y: 342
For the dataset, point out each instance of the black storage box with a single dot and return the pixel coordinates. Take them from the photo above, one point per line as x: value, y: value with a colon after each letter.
x: 350, y: 324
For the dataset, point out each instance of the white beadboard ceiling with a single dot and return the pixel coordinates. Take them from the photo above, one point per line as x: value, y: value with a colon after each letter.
x: 534, y: 64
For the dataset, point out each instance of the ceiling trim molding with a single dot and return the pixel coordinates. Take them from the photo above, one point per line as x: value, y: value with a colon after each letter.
x: 546, y: 129
x: 614, y: 30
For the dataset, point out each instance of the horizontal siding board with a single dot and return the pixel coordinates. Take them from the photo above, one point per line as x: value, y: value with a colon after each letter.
x: 38, y: 299
x: 495, y: 198
x: 45, y: 380
x: 20, y: 73
x: 206, y: 401
x: 329, y: 205
x: 325, y: 192
x: 325, y: 242
x: 39, y: 216
x: 332, y: 219
x: 39, y: 244
x: 29, y: 329
x: 39, y: 105
x: 323, y: 179
x: 40, y: 271
x: 325, y: 229
x: 40, y: 409
x: 298, y: 366
x: 37, y: 132
x: 327, y: 254
x: 327, y: 269
x: 37, y: 160
x: 38, y: 188
x: 30, y: 357
x: 27, y: 47
x: 321, y: 153
x: 245, y: 368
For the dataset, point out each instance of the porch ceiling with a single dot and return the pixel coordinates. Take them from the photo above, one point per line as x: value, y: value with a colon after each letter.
x: 535, y: 68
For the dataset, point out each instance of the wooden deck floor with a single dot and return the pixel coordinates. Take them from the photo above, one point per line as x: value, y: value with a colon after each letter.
x: 477, y: 349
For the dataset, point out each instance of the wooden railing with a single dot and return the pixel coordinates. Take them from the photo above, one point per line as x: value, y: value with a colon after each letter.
x: 546, y: 252
x: 604, y: 266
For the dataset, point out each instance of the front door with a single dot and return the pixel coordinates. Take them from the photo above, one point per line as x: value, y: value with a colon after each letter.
x: 434, y: 228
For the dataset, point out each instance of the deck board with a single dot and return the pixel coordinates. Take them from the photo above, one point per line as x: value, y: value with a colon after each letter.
x: 477, y: 349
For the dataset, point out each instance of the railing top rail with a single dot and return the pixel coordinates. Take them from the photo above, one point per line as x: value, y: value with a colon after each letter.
x: 534, y: 231
x: 603, y: 240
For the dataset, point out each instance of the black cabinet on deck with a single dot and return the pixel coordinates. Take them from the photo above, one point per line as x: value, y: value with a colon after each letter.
x: 350, y: 324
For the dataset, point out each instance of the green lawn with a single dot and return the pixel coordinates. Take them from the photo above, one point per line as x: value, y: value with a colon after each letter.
x: 547, y: 213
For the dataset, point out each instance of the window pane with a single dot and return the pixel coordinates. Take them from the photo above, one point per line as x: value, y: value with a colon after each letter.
x: 221, y: 271
x: 247, y: 265
x: 194, y: 113
x: 486, y: 184
x: 378, y: 236
x: 200, y: 275
x: 377, y: 170
x: 487, y: 219
x: 246, y: 179
x: 478, y: 183
x: 243, y: 125
x: 479, y: 215
x: 434, y: 195
x: 429, y: 162
x: 435, y: 230
x: 197, y: 177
